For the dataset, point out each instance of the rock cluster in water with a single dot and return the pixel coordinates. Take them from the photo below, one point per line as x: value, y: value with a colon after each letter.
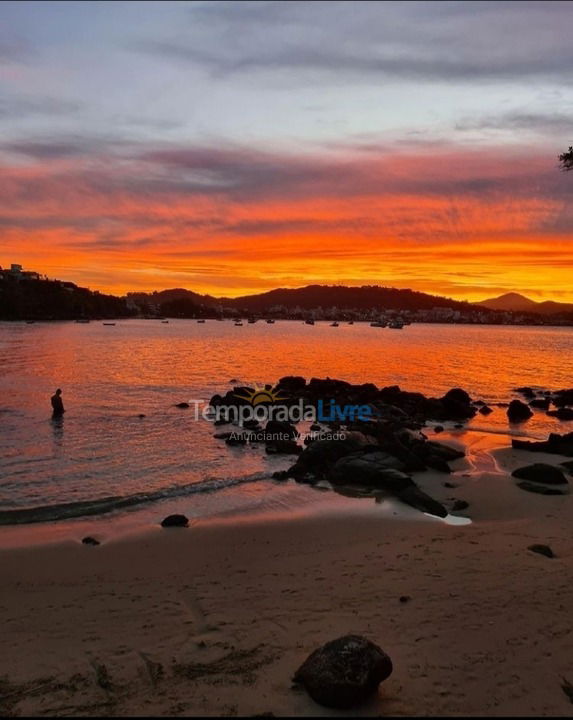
x: 378, y: 453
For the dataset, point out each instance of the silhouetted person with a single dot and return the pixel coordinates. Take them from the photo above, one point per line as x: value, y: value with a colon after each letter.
x: 57, y: 404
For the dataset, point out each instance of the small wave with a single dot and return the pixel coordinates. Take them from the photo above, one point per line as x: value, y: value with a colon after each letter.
x: 102, y: 506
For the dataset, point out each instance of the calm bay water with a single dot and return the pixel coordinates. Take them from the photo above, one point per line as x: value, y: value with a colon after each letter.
x: 109, y: 374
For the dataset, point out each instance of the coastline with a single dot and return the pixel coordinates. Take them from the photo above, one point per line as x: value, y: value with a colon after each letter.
x: 214, y: 619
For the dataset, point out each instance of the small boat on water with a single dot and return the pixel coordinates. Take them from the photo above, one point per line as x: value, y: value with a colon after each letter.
x: 334, y: 324
x: 309, y: 322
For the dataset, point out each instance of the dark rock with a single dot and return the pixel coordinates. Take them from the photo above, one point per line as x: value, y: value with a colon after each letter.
x: 540, y: 403
x: 460, y: 505
x: 235, y: 440
x: 376, y: 469
x: 485, y: 410
x: 279, y: 428
x: 141, y: 415
x: 558, y: 444
x: 444, y: 451
x: 525, y: 391
x: 458, y: 426
x: 182, y: 405
x: 315, y: 427
x: 416, y: 498
x: 450, y: 485
x: 563, y: 413
x: 540, y: 489
x: 563, y: 397
x: 222, y: 435
x: 283, y: 447
x: 344, y: 672
x: 221, y: 422
x: 435, y: 462
x: 479, y: 403
x: 291, y: 384
x: 439, y: 429
x: 541, y: 473
x: 405, y: 598
x: 457, y: 404
x: 175, y: 521
x: 321, y: 455
x: 568, y: 465
x: 252, y: 425
x: 90, y: 541
x: 518, y: 411
x: 542, y: 550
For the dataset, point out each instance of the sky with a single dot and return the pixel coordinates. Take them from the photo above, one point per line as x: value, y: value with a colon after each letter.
x: 235, y: 147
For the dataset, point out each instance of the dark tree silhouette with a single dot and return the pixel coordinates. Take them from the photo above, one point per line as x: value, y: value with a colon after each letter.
x: 566, y: 159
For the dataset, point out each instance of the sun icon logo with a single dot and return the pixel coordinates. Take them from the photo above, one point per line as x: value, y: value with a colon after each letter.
x: 261, y: 395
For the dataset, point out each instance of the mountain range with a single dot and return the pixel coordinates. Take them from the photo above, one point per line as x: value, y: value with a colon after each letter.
x: 515, y: 302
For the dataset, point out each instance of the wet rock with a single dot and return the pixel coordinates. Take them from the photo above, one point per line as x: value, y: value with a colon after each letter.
x: 525, y: 391
x: 175, y: 521
x: 291, y: 384
x: 416, y: 498
x: 458, y: 404
x: 563, y: 413
x: 375, y: 469
x: 315, y: 427
x: 321, y: 455
x: 518, y: 411
x: 563, y: 397
x: 283, y: 447
x: 279, y: 428
x: 235, y: 440
x: 182, y: 405
x: 222, y: 435
x: 450, y: 485
x: 542, y: 550
x: 344, y: 672
x: 90, y: 541
x: 439, y: 429
x: 568, y: 465
x: 141, y: 415
x: 460, y: 505
x: 221, y: 422
x: 405, y: 598
x: 555, y: 443
x: 435, y: 462
x: 485, y: 410
x: 541, y: 473
x: 540, y: 403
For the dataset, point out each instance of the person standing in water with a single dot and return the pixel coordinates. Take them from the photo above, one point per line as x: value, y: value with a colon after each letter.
x: 57, y: 404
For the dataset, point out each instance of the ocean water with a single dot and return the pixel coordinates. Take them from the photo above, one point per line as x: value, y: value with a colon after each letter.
x: 102, y: 460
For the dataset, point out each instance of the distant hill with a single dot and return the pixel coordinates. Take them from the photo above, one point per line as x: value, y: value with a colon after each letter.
x: 366, y: 297
x: 519, y: 303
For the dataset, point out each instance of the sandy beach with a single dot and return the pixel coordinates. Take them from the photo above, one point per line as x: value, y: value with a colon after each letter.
x: 214, y: 619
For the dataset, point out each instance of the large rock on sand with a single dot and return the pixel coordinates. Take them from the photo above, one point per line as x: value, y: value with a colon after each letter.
x: 541, y: 473
x: 555, y: 443
x: 381, y: 471
x: 344, y: 672
x: 321, y: 455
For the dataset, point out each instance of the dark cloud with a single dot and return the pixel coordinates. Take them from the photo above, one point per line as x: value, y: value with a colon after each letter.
x: 440, y: 41
x: 543, y: 123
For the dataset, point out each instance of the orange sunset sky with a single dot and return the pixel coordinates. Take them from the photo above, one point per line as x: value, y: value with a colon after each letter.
x: 236, y: 147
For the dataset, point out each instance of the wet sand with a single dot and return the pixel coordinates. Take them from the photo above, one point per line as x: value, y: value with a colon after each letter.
x: 214, y: 619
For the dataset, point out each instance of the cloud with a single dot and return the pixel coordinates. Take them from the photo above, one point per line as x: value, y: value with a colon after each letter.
x: 359, y: 41
x: 544, y: 123
x: 21, y: 106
